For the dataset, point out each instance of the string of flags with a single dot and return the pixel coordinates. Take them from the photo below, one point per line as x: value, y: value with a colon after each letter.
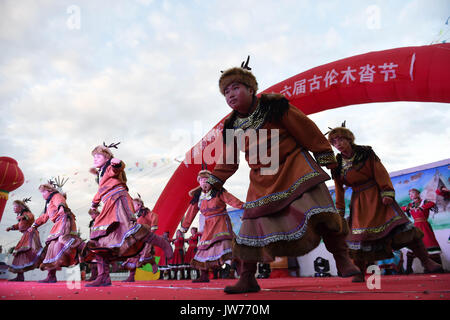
x: 444, y: 33
x: 84, y: 177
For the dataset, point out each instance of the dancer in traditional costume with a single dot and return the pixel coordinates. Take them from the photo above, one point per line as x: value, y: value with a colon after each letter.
x: 92, y: 263
x: 288, y: 209
x: 115, y: 235
x: 191, y: 251
x: 28, y: 253
x: 147, y: 217
x: 420, y: 211
x: 63, y: 243
x: 377, y: 223
x: 176, y: 264
x: 444, y: 192
x: 214, y: 247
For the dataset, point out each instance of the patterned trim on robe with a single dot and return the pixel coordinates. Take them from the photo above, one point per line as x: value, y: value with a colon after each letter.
x: 60, y: 253
x: 379, y: 228
x: 282, y: 194
x: 28, y: 264
x: 294, y: 234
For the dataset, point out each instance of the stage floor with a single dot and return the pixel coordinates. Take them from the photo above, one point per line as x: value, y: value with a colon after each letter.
x: 411, y: 287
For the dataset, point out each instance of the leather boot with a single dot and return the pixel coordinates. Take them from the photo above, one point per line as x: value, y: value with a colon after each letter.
x: 361, y: 276
x: 204, y: 277
x: 247, y: 281
x: 94, y: 273
x: 154, y: 265
x: 103, y: 278
x: 130, y: 277
x: 409, y: 262
x: 162, y: 243
x: 19, y: 277
x: 419, y: 250
x: 51, y: 277
x: 436, y: 258
x: 338, y: 247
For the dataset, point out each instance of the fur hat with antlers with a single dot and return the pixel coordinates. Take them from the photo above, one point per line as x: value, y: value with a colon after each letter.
x: 105, y: 149
x: 203, y: 173
x: 54, y: 185
x: 23, y: 203
x: 341, y: 131
x: 241, y: 75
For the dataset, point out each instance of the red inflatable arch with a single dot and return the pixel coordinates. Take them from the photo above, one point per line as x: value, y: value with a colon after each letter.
x: 402, y: 74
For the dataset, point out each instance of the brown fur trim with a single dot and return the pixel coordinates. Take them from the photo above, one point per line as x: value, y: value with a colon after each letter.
x: 237, y: 75
x: 203, y: 174
x: 47, y: 186
x: 319, y: 224
x: 195, y: 190
x: 104, y: 151
x: 341, y: 132
x: 211, y: 264
x: 362, y: 153
x: 21, y: 204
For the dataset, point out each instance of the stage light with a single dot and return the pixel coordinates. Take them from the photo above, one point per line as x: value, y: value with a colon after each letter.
x: 322, y: 267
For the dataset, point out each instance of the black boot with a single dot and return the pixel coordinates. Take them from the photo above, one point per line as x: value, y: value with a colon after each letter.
x: 247, y: 281
x: 103, y: 278
x: 19, y: 277
x: 130, y: 276
x: 51, y: 277
x: 204, y: 277
x: 338, y: 247
x: 419, y: 250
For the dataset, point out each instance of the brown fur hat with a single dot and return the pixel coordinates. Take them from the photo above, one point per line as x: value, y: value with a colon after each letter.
x: 23, y: 203
x: 47, y: 186
x: 201, y: 174
x: 341, y: 132
x: 237, y: 75
x: 104, y: 151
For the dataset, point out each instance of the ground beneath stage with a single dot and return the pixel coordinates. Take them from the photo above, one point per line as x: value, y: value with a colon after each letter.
x: 411, y: 287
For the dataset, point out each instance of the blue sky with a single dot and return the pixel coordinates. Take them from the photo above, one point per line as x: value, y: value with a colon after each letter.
x: 145, y: 73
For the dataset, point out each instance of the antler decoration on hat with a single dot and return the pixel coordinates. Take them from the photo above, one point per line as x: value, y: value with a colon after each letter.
x: 59, y: 183
x: 342, y: 125
x: 139, y: 196
x: 112, y: 145
x: 244, y: 65
x: 51, y: 182
x: 26, y: 200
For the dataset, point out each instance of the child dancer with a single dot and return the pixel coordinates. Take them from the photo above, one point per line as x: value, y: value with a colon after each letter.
x: 288, y: 209
x: 145, y: 217
x: 191, y: 251
x: 214, y: 247
x: 177, y: 262
x: 420, y: 211
x: 377, y: 223
x: 63, y: 242
x: 28, y: 251
x: 115, y: 235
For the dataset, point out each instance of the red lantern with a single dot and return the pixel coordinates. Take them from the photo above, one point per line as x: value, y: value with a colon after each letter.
x: 11, y: 178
